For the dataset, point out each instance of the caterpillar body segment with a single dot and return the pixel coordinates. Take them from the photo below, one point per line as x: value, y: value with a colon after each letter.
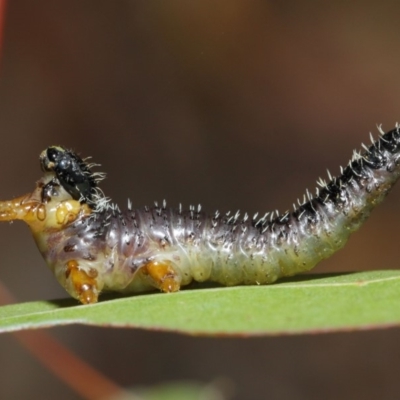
x: 91, y: 246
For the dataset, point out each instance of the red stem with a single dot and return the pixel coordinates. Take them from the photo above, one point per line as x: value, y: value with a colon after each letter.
x: 2, y: 18
x: 79, y: 376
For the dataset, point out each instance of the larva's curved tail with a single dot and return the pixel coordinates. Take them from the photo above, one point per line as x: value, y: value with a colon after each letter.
x: 322, y: 224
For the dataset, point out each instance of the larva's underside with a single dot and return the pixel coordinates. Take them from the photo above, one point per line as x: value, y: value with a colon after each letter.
x: 91, y: 246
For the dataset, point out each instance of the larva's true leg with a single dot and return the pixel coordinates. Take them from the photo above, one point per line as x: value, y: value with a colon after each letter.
x: 162, y: 275
x: 81, y: 283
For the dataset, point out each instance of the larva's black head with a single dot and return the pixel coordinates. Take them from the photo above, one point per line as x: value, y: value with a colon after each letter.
x: 71, y: 171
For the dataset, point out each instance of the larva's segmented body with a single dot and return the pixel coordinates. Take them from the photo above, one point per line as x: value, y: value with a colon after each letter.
x: 92, y: 246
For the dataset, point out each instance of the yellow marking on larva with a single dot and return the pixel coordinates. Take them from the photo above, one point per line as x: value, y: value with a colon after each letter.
x: 162, y: 275
x: 67, y: 211
x: 83, y: 283
x: 41, y: 213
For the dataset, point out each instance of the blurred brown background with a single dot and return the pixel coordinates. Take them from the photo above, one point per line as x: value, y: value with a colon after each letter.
x: 233, y: 104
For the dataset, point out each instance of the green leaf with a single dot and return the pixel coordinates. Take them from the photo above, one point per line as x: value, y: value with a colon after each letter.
x: 179, y: 390
x: 310, y: 303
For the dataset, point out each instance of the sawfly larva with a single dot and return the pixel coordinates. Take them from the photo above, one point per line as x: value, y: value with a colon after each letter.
x: 91, y: 246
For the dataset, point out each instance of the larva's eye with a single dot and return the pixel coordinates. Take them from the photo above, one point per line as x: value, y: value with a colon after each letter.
x: 71, y: 171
